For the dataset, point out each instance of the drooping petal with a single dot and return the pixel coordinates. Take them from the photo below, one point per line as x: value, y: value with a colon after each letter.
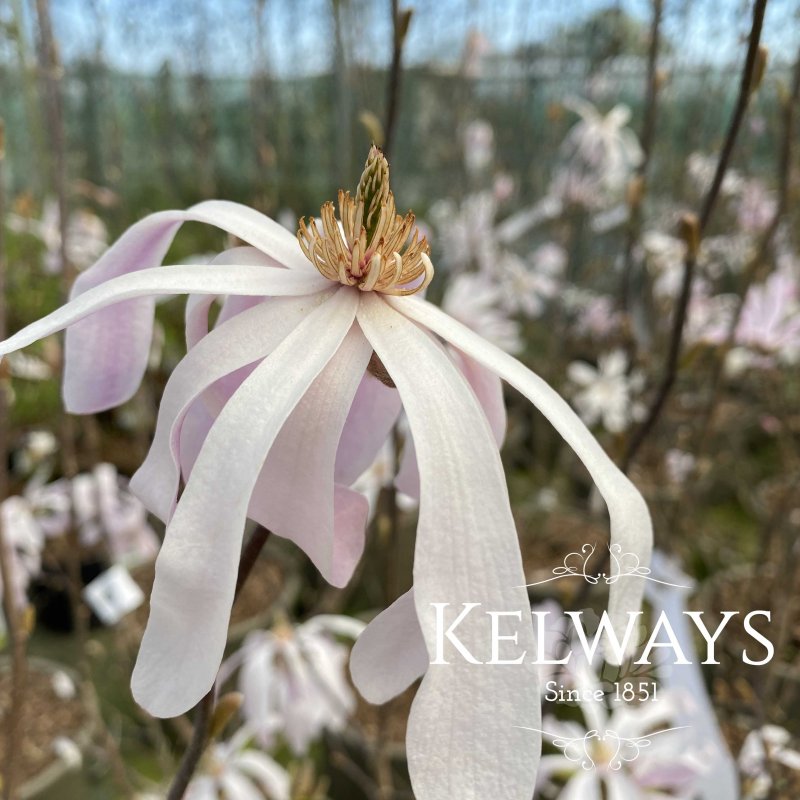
x: 271, y: 777
x: 631, y: 527
x: 488, y: 390
x: 243, y: 340
x: 196, y: 570
x: 369, y: 422
x: 106, y: 354
x: 466, y: 552
x: 234, y: 785
x: 391, y: 653
x: 198, y: 306
x: 294, y: 496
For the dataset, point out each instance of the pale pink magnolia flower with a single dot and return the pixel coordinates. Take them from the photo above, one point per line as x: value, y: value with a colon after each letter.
x: 701, y: 169
x: 294, y: 680
x: 709, y: 316
x: 630, y: 752
x: 233, y: 770
x: 606, y: 394
x: 601, y: 153
x: 770, y: 743
x: 466, y: 232
x: 595, y: 314
x: 475, y: 300
x: 273, y: 414
x: 87, y: 236
x: 528, y: 285
x: 770, y: 319
x: 103, y: 509
x: 478, y: 138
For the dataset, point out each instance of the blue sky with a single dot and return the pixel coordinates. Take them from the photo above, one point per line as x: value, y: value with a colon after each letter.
x: 298, y: 35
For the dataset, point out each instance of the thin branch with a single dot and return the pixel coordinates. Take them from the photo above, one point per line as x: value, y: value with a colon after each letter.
x: 400, y: 23
x: 647, y: 141
x: 784, y: 167
x: 696, y: 228
x: 203, y: 710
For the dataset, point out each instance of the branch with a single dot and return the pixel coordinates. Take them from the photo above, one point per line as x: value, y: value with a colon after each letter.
x: 400, y: 22
x: 647, y: 140
x: 203, y: 710
x: 695, y: 228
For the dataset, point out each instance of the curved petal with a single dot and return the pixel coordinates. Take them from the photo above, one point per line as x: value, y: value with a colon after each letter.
x: 488, y: 390
x: 198, y: 306
x: 270, y: 776
x: 196, y: 570
x: 99, y: 375
x: 466, y: 552
x: 631, y: 527
x: 294, y: 496
x: 369, y: 422
x: 236, y: 787
x: 243, y: 340
x: 390, y: 654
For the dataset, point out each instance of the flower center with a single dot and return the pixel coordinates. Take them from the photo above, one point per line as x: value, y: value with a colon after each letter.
x: 375, y: 248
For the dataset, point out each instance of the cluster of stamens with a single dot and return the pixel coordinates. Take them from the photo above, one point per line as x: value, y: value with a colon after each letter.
x: 375, y: 248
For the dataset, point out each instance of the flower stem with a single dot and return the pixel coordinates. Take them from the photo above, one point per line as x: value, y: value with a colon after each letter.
x: 203, y: 710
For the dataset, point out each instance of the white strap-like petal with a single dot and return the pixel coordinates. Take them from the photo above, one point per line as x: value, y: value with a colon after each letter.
x: 461, y: 736
x: 295, y: 495
x: 631, y: 527
x: 390, y: 654
x: 242, y: 340
x: 369, y: 422
x: 196, y: 569
x: 271, y: 777
x: 106, y: 355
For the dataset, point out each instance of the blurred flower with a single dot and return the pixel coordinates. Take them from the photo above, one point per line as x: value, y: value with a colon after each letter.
x: 63, y: 686
x: 606, y: 392
x: 526, y: 286
x: 475, y: 300
x: 770, y: 319
x: 701, y: 169
x: 233, y: 770
x: 100, y: 505
x: 756, y: 207
x: 685, y: 685
x: 709, y: 316
x: 596, y: 315
x: 255, y: 419
x: 23, y: 541
x: 87, y: 236
x: 35, y: 455
x: 478, y: 145
x: 294, y: 680
x: 601, y: 153
x: 631, y: 753
x: 28, y: 367
x: 679, y: 465
x: 69, y: 752
x: 476, y: 48
x: 465, y: 232
x: 768, y: 743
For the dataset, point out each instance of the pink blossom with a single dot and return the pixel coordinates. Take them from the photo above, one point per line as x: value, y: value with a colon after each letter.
x: 272, y: 415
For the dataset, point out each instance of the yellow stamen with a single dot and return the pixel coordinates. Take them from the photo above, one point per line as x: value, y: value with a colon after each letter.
x: 375, y: 249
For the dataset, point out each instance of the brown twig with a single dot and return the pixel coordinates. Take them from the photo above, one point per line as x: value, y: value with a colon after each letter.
x: 696, y: 228
x: 203, y: 710
x: 400, y: 23
x: 15, y: 624
x: 784, y: 167
x: 647, y: 140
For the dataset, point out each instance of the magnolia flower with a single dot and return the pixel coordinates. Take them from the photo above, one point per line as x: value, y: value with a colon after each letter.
x: 35, y: 454
x: 234, y: 771
x: 293, y: 680
x: 701, y: 169
x: 466, y: 232
x: 755, y: 208
x: 475, y: 300
x: 769, y: 743
x: 87, y: 236
x: 276, y: 411
x: 770, y: 319
x: 527, y: 286
x: 601, y: 152
x: 632, y: 753
x: 22, y: 541
x: 679, y: 465
x: 103, y: 510
x: 606, y: 392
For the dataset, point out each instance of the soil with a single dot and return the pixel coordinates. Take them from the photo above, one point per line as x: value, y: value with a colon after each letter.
x: 45, y: 716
